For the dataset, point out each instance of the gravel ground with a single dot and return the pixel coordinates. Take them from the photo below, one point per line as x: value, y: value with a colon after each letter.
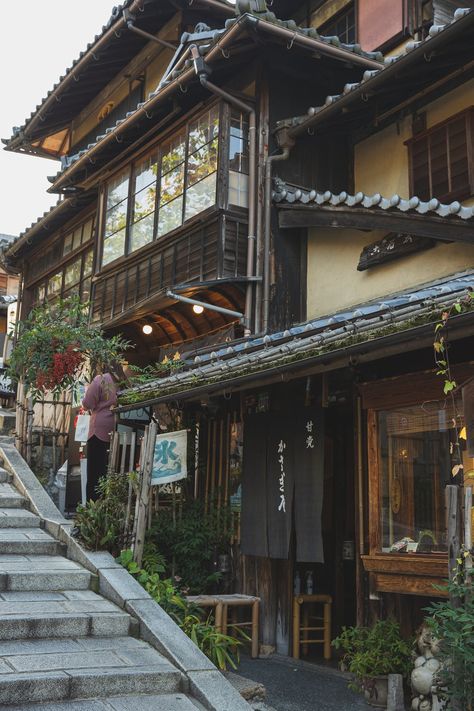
x: 299, y: 686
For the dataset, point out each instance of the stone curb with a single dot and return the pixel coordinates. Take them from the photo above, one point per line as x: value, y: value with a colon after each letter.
x: 157, y: 628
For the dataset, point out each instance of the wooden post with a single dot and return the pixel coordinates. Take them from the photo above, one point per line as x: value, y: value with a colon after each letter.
x: 144, y: 492
x: 468, y: 533
x: 453, y: 528
x: 29, y: 429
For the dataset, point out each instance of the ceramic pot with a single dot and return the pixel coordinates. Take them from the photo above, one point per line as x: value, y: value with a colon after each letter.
x: 376, y: 691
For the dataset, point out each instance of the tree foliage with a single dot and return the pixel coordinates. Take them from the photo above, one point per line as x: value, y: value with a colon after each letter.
x: 56, y: 346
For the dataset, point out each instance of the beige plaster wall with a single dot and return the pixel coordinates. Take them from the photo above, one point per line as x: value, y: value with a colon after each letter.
x: 342, y: 286
x: 381, y: 161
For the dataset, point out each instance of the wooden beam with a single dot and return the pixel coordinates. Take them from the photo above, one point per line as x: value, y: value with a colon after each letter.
x: 440, y: 228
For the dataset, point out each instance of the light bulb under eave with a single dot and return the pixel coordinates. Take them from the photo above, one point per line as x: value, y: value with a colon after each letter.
x: 198, y: 309
x: 147, y: 329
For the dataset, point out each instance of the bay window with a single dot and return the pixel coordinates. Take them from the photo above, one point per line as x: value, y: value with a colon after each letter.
x: 175, y: 181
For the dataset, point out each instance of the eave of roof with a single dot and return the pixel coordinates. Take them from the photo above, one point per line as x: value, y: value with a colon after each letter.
x: 288, y: 194
x: 372, y: 80
x: 50, y: 221
x: 178, y: 78
x: 86, y: 64
x: 321, y: 337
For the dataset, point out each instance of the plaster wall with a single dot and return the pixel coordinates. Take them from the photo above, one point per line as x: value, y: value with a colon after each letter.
x: 381, y: 161
x: 333, y: 289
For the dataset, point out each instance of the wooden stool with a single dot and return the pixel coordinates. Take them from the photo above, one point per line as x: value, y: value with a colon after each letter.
x: 298, y: 602
x: 222, y: 604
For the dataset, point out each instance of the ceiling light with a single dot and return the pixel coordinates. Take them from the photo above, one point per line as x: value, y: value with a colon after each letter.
x: 198, y: 309
x: 147, y: 329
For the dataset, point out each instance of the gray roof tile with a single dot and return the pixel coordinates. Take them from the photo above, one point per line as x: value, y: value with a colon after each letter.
x: 312, y: 338
x: 285, y: 193
x: 370, y: 74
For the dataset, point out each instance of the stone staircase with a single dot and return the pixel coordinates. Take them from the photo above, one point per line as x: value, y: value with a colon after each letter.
x: 66, y: 647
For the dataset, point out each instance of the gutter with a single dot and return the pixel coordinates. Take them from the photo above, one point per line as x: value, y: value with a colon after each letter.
x: 372, y: 83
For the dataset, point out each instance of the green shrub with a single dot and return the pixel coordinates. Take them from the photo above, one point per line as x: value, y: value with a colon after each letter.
x: 221, y: 649
x: 373, y: 651
x: 100, y: 524
x: 452, y: 622
x: 190, y: 542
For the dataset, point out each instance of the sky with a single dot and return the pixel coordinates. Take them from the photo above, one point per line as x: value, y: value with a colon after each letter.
x: 39, y: 39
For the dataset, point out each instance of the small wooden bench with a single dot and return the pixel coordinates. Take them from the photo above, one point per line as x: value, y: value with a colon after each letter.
x: 222, y: 604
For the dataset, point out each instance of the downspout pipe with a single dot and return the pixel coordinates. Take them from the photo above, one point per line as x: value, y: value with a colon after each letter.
x: 204, y: 304
x: 202, y: 70
x: 286, y: 146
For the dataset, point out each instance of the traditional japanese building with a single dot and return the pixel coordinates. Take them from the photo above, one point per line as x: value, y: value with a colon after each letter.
x: 288, y: 204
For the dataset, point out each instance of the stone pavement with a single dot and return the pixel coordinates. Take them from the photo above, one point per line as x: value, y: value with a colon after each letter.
x: 69, y: 636
x: 294, y: 685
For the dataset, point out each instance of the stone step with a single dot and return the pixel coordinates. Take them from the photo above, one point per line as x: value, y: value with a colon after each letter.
x: 4, y: 476
x: 41, y: 626
x: 10, y: 497
x: 145, y: 702
x: 41, y: 572
x: 18, y: 518
x: 29, y: 541
x: 34, y: 673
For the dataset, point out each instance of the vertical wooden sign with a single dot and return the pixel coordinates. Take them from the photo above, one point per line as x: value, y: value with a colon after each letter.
x: 468, y: 408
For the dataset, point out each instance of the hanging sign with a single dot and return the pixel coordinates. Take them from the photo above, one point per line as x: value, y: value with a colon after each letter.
x: 170, y: 458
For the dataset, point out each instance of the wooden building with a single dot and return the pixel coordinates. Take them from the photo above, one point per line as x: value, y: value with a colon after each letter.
x: 309, y: 182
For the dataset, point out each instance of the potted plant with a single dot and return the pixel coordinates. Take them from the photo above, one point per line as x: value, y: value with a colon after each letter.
x: 370, y: 654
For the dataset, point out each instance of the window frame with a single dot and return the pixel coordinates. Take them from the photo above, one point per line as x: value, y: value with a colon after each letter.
x: 452, y: 195
x: 221, y: 201
x: 325, y: 28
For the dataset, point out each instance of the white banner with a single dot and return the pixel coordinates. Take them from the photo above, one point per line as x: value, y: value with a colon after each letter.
x: 170, y: 458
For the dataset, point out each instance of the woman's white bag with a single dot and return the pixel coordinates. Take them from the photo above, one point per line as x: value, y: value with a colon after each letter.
x: 82, y: 428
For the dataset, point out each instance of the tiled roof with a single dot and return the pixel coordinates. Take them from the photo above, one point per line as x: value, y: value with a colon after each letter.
x: 209, y: 41
x: 284, y: 193
x: 51, y: 219
x: 309, y: 340
x: 332, y: 102
x: 116, y: 12
x: 6, y: 239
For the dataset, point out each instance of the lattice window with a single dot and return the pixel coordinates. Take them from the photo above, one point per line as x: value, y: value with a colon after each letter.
x: 441, y: 159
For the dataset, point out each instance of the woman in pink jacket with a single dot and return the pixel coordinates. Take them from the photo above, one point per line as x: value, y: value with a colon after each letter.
x: 100, y: 399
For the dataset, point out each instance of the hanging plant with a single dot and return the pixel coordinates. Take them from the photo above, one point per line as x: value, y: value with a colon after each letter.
x: 56, y: 346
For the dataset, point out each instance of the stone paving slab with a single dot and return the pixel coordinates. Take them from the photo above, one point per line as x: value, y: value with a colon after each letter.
x: 165, y: 702
x: 24, y: 534
x: 55, y: 607
x: 10, y: 497
x: 66, y: 661
x: 37, y: 563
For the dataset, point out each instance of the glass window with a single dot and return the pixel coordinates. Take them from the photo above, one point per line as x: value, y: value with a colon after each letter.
x: 343, y: 26
x: 143, y: 210
x: 67, y: 247
x: 416, y: 446
x: 116, y: 218
x: 87, y: 230
x: 72, y: 273
x: 55, y: 283
x: 238, y: 159
x: 77, y: 238
x: 88, y: 262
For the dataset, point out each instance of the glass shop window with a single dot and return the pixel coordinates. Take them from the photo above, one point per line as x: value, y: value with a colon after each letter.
x: 170, y: 212
x: 417, y: 452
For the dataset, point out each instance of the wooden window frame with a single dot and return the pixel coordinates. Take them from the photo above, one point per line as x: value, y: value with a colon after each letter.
x: 351, y: 7
x: 406, y: 573
x: 451, y: 195
x: 157, y: 147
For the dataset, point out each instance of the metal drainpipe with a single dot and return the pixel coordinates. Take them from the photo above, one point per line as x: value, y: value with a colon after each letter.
x: 130, y: 18
x: 267, y: 236
x: 202, y: 72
